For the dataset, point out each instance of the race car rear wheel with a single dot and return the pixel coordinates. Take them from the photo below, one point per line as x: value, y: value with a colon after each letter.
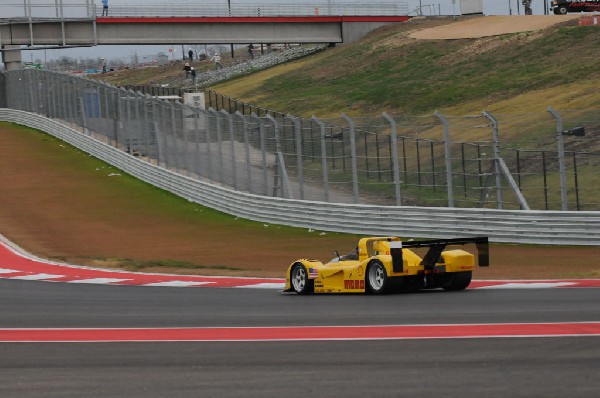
x: 299, y: 279
x: 377, y: 279
x: 456, y: 280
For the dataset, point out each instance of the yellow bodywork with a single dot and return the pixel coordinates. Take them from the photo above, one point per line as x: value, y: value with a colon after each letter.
x: 343, y: 275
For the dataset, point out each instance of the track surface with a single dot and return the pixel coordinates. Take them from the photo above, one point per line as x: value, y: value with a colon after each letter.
x: 523, y: 366
x: 17, y: 264
x: 107, y: 333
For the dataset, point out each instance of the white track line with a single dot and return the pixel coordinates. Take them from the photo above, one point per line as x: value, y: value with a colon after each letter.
x: 264, y: 286
x: 534, y: 285
x: 99, y: 281
x: 37, y: 277
x: 178, y: 283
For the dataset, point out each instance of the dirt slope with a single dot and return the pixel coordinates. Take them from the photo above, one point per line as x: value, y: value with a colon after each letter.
x: 490, y: 26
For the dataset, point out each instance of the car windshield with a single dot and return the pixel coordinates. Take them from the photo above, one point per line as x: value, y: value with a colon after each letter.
x: 353, y: 255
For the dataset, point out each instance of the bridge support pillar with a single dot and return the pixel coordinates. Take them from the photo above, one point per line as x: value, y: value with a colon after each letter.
x: 11, y: 56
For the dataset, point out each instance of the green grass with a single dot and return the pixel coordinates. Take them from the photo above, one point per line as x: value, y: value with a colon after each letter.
x: 139, y: 194
x: 423, y: 76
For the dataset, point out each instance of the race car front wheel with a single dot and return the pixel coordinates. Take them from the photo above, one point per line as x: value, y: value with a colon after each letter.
x: 377, y: 279
x: 299, y: 279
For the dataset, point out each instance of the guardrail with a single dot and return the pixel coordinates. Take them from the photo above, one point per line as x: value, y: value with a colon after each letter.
x: 69, y: 9
x: 40, y: 10
x: 511, y: 226
x: 258, y: 9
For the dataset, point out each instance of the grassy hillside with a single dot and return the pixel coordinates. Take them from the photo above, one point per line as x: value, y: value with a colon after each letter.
x: 514, y: 76
x: 388, y: 71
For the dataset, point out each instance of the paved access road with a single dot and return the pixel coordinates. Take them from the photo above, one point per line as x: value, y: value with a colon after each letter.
x: 465, y: 367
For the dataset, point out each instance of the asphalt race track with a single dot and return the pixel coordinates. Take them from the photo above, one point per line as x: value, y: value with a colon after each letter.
x: 558, y: 366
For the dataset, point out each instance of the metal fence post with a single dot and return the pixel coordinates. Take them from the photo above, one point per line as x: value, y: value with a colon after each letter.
x: 323, y: 157
x: 229, y: 118
x: 299, y: 162
x: 285, y: 186
x: 576, y: 180
x: 142, y: 115
x: 352, y: 133
x: 173, y: 135
x: 106, y: 112
x: 50, y: 94
x: 31, y: 95
x: 121, y: 108
x: 496, y: 148
x: 561, y: 157
x: 395, y: 167
x: 127, y: 126
x: 448, y: 156
x: 64, y: 95
x: 263, y: 149
x: 208, y: 113
x: 83, y: 119
x: 247, y: 148
x: 196, y: 116
x: 219, y: 145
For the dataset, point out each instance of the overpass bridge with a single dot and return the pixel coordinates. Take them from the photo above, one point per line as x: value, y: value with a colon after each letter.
x: 80, y: 23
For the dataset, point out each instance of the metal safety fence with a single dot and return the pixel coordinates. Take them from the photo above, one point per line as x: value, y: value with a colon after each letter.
x: 433, y: 160
x: 516, y: 226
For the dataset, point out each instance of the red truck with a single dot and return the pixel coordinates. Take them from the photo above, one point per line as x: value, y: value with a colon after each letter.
x: 562, y: 7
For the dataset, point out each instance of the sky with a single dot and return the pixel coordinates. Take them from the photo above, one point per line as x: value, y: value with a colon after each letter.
x: 125, y: 53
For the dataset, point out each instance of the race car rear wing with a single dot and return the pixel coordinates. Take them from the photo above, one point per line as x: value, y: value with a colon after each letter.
x: 436, y: 247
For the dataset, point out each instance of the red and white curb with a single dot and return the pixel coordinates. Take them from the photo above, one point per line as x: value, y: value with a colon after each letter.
x: 302, y: 333
x: 16, y: 264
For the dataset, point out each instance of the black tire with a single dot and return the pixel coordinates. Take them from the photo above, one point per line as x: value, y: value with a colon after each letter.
x: 561, y: 10
x: 299, y: 280
x: 376, y: 279
x: 454, y: 281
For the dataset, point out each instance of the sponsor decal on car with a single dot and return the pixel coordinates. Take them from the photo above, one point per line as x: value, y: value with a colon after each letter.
x: 354, y: 284
x: 313, y: 273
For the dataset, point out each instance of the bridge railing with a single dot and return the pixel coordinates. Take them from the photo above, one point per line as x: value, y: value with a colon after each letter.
x: 47, y: 10
x: 331, y: 8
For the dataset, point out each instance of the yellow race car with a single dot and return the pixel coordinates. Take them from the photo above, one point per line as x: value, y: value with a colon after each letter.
x: 383, y: 264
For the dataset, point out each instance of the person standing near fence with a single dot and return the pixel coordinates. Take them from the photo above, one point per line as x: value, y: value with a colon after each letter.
x: 250, y: 51
x: 217, y: 59
x: 187, y: 70
x: 105, y: 8
x: 191, y: 55
x: 193, y: 72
